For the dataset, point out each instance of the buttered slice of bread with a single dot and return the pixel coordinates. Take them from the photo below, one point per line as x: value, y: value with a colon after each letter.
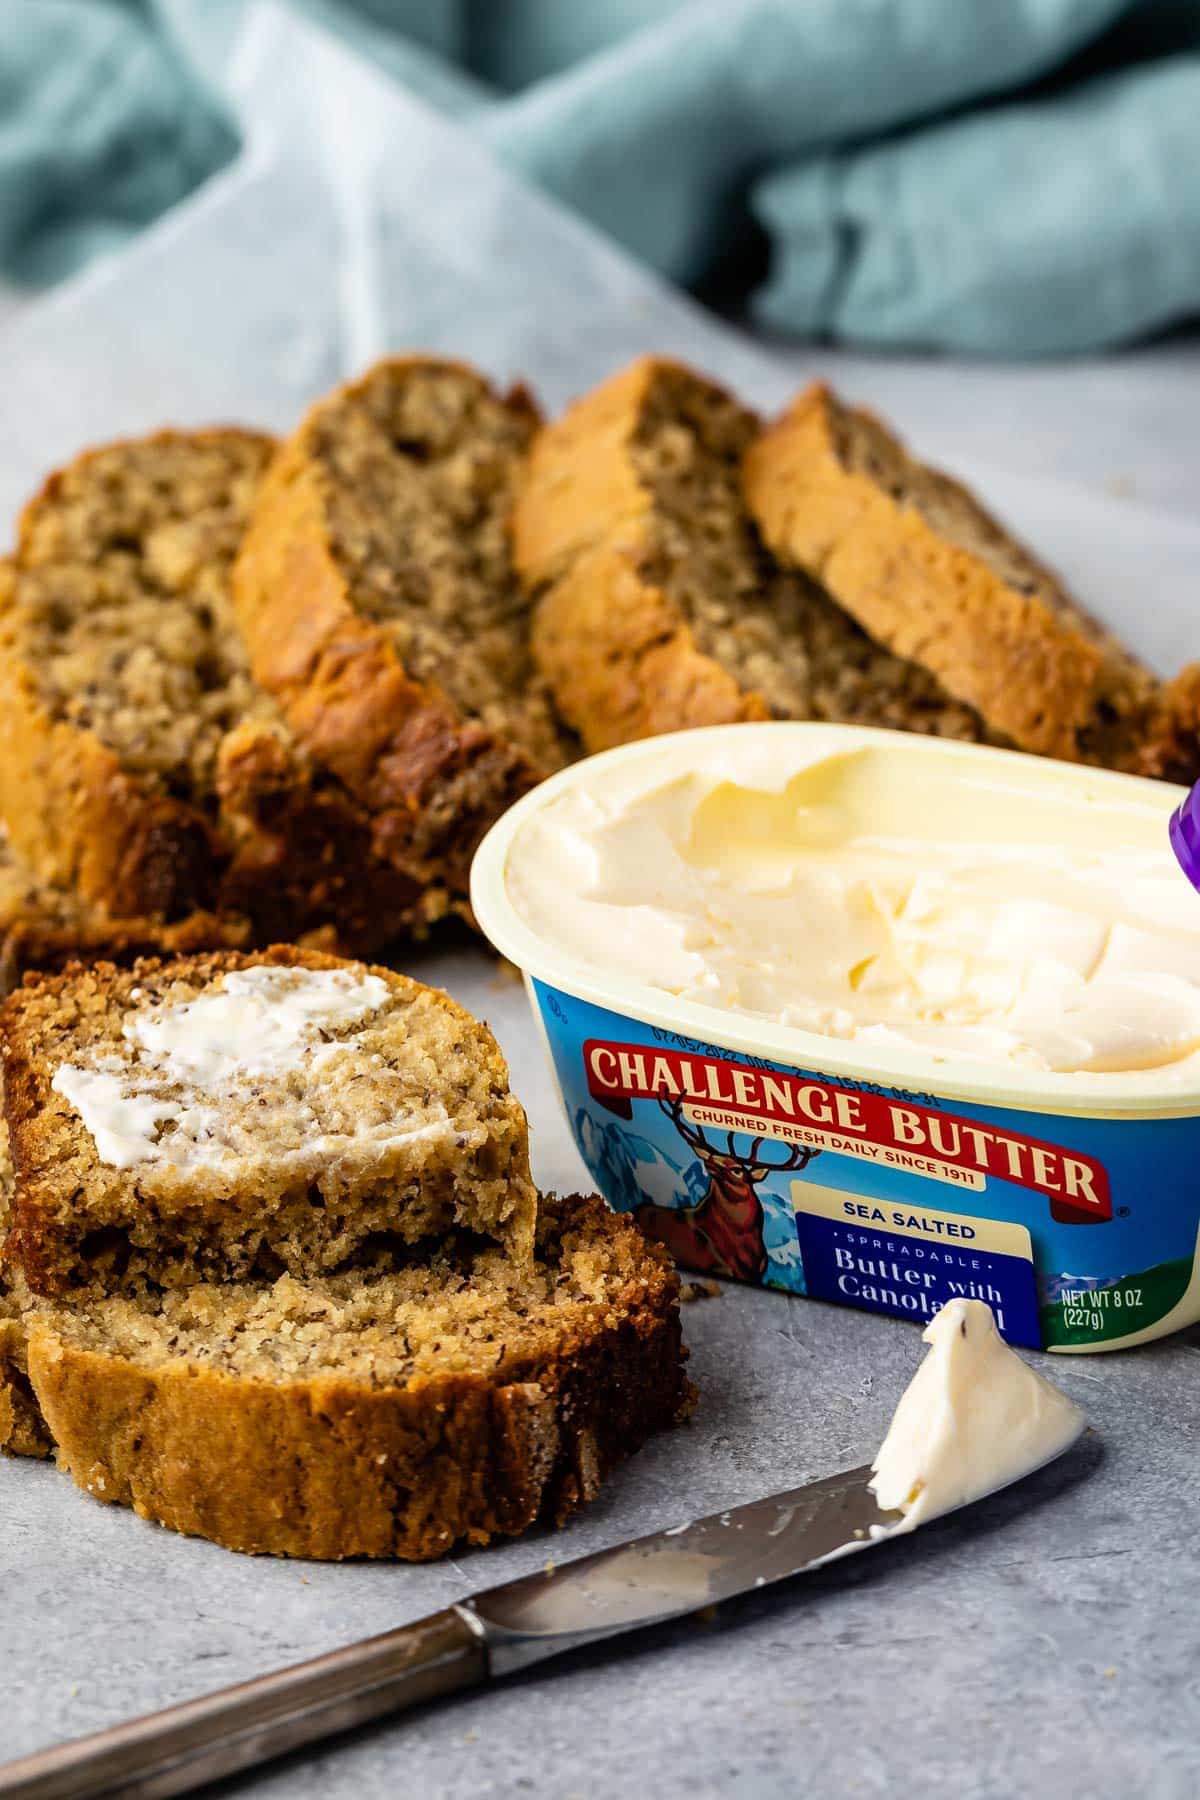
x: 920, y: 564
x: 377, y: 596
x: 388, y: 1415
x: 227, y: 1115
x: 657, y: 606
x: 140, y: 764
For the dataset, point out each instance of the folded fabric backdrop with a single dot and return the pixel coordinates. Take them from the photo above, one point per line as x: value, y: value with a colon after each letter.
x: 1013, y: 177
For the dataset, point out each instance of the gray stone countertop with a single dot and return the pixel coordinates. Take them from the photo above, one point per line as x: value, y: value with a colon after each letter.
x: 1047, y: 1641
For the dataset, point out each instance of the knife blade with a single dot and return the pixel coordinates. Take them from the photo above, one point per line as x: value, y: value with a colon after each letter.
x: 494, y: 1634
x: 683, y: 1569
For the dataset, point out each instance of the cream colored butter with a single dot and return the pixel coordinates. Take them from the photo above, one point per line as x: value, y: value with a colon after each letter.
x: 842, y: 900
x: 973, y: 1418
x: 124, y: 1125
x: 162, y: 1105
x: 261, y: 1021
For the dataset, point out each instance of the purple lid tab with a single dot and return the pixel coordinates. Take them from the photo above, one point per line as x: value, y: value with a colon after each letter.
x: 1185, y: 835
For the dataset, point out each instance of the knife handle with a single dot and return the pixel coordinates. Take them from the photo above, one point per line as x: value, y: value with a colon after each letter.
x: 182, y: 1748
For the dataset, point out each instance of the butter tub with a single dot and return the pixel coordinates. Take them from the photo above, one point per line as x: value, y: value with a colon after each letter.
x: 879, y: 1173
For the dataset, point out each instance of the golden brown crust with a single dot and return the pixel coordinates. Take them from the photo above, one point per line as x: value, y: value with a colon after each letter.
x: 49, y: 947
x: 920, y: 564
x: 432, y: 779
x: 621, y: 662
x: 330, y: 1468
x: 580, y: 483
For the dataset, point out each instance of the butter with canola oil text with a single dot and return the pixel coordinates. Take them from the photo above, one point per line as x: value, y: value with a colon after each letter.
x: 878, y: 1018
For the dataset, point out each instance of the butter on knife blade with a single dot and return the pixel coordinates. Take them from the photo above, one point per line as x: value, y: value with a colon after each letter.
x: 973, y: 1419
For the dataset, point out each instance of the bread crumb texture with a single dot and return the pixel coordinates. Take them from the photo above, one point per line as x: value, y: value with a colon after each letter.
x: 126, y: 615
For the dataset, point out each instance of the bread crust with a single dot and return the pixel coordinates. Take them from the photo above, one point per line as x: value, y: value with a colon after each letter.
x: 579, y: 482
x: 23, y: 1430
x: 1016, y: 649
x: 303, y: 858
x: 49, y: 947
x: 329, y: 1468
x: 431, y: 779
x: 621, y: 661
x: 286, y: 858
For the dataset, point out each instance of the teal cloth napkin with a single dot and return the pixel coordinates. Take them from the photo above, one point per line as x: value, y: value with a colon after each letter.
x: 1009, y: 177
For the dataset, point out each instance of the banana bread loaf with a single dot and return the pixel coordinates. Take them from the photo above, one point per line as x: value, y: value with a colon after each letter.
x: 657, y: 605
x: 377, y: 597
x: 139, y: 763
x: 387, y: 1415
x: 224, y: 1115
x: 923, y: 568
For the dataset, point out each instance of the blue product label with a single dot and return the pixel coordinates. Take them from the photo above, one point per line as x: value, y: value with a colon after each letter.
x: 893, y: 1260
x: 1077, y: 1231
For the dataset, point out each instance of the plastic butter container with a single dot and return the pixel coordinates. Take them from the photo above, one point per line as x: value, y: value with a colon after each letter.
x: 873, y: 1017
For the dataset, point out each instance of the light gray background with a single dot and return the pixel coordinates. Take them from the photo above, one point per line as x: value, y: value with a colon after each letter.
x: 1049, y: 1642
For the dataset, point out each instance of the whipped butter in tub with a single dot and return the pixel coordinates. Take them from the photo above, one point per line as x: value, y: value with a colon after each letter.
x: 877, y: 1018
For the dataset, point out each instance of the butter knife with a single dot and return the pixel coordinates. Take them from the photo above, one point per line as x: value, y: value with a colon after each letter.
x: 499, y: 1632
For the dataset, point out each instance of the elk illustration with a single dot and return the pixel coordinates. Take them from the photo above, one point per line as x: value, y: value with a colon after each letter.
x: 723, y: 1233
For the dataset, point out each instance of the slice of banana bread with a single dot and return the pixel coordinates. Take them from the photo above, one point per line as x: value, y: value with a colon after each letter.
x: 139, y: 763
x: 384, y: 1415
x: 922, y: 567
x: 23, y: 1431
x: 232, y: 1114
x: 657, y: 605
x: 377, y: 597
